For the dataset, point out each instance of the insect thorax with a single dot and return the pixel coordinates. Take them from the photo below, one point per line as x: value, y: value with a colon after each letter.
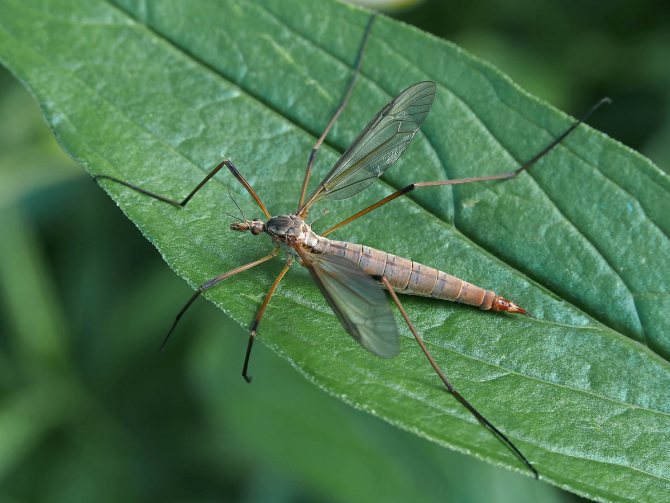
x: 290, y: 230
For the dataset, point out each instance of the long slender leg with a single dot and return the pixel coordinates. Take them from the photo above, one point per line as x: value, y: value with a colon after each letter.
x: 461, y: 181
x: 211, y: 283
x: 181, y: 203
x: 450, y: 388
x: 259, y: 315
x: 340, y: 109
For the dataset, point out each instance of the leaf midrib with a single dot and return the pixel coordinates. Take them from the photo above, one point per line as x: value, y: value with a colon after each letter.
x: 518, y: 268
x: 258, y: 99
x: 242, y: 91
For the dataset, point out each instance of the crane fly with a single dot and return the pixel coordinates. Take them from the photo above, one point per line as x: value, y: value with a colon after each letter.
x: 353, y: 277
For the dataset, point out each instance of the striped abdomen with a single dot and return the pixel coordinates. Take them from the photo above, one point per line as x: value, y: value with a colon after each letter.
x: 413, y: 278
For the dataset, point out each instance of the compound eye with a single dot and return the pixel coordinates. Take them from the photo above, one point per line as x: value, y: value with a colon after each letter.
x: 256, y: 231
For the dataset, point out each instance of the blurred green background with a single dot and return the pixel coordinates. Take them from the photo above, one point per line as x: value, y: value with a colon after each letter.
x: 89, y: 408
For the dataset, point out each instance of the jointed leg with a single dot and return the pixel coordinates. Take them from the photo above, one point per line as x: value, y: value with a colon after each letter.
x: 209, y: 284
x: 259, y: 315
x: 450, y: 388
x: 183, y: 202
x: 461, y: 181
x: 340, y: 109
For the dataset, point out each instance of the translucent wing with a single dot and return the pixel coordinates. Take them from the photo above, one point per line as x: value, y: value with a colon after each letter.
x: 358, y: 301
x: 378, y: 146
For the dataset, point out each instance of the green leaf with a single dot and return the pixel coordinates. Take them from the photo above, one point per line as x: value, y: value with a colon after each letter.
x: 157, y: 93
x: 357, y: 466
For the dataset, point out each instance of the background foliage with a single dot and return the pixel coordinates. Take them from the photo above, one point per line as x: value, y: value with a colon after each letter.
x: 73, y: 278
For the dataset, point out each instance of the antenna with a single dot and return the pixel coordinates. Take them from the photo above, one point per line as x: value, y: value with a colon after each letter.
x: 244, y: 219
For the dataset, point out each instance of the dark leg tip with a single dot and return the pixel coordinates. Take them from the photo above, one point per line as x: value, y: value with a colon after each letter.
x: 247, y: 378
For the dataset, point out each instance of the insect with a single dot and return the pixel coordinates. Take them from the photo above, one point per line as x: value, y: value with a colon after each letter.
x: 352, y: 277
